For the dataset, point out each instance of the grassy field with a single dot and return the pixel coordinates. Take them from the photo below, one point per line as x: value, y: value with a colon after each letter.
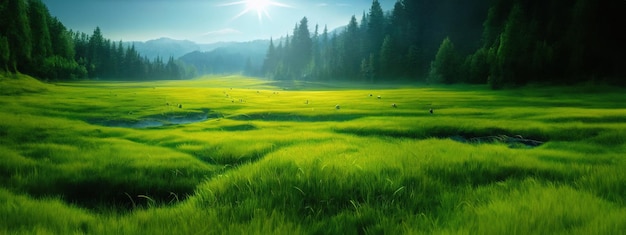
x: 240, y: 155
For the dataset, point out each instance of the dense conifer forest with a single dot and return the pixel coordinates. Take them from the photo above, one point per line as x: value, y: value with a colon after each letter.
x: 495, y: 42
x: 34, y: 42
x: 499, y: 42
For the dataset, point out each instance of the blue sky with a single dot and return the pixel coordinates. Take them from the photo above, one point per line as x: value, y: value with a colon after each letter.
x: 202, y: 21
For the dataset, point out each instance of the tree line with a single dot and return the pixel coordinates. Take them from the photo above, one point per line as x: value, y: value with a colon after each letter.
x: 495, y: 42
x: 35, y: 43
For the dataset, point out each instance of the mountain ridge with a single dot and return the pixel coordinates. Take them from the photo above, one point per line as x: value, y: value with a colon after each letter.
x: 165, y: 47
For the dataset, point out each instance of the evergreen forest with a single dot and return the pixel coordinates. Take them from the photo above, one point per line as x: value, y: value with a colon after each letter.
x: 499, y: 42
x: 35, y: 43
x: 496, y: 42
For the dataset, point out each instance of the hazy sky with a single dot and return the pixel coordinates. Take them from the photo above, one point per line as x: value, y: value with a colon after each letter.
x: 204, y: 20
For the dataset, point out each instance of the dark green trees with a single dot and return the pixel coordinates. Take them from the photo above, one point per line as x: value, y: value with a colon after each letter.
x: 35, y: 43
x: 41, y: 41
x: 301, y: 50
x: 294, y: 59
x: 4, y: 53
x: 554, y: 42
x: 97, y: 52
x: 499, y: 42
x: 445, y: 68
x: 270, y: 61
x: 15, y: 25
x: 510, y: 52
x: 399, y: 44
x: 388, y: 64
x: 350, y: 51
x: 375, y: 29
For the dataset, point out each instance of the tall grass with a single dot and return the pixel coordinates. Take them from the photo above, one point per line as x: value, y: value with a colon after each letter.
x: 280, y: 158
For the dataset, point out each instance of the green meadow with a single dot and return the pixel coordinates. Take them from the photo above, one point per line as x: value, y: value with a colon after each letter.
x: 238, y: 155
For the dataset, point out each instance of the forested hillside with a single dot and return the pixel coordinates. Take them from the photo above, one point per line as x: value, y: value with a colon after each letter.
x: 35, y: 43
x: 500, y: 42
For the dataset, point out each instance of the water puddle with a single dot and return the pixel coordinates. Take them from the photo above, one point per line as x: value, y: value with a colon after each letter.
x: 158, y: 120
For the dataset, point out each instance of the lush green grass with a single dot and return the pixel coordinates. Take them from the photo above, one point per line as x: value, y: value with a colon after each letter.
x: 278, y: 157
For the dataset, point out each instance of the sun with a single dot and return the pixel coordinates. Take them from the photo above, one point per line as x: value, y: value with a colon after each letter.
x: 258, y: 6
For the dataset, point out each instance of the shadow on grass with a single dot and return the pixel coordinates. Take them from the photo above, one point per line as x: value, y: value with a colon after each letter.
x: 242, y: 127
x: 109, y: 194
x: 483, y: 136
x: 217, y: 156
x: 340, y: 117
x: 478, y: 173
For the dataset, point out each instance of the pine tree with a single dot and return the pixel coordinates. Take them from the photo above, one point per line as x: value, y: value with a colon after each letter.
x: 4, y: 53
x: 398, y: 21
x: 445, y: 66
x: 316, y: 59
x: 367, y: 68
x: 325, y: 55
x: 375, y: 27
x: 61, y: 40
x: 387, y: 63
x: 18, y: 34
x: 120, y: 59
x: 511, y: 57
x: 335, y: 68
x: 173, y: 70
x: 477, y: 67
x: 302, y: 46
x: 351, y: 53
x: 95, y: 53
x: 270, y: 61
x: 414, y: 57
x: 41, y: 42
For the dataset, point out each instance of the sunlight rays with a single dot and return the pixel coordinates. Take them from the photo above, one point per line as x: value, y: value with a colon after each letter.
x: 258, y: 6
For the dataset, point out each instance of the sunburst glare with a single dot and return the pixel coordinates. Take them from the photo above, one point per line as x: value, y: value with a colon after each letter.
x: 258, y: 6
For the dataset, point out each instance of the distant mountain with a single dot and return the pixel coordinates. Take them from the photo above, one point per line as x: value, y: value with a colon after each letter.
x: 166, y: 47
x: 220, y: 57
x: 230, y: 57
